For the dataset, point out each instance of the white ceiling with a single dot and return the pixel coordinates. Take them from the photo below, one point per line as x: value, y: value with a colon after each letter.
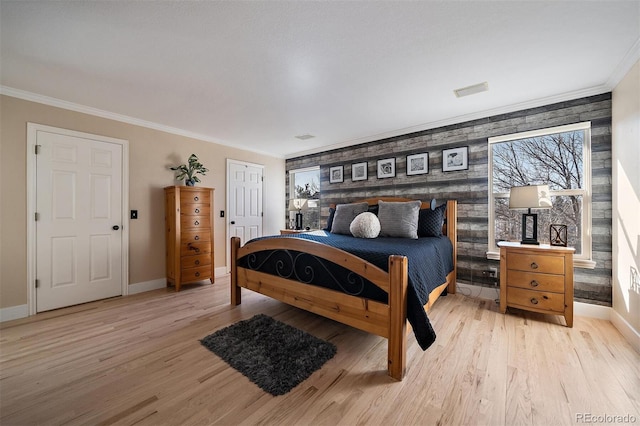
x: 255, y: 74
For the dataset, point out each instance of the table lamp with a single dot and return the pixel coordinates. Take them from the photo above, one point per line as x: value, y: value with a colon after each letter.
x: 298, y: 204
x: 529, y: 197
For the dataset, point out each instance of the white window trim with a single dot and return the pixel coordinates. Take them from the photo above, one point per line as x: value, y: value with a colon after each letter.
x: 585, y: 259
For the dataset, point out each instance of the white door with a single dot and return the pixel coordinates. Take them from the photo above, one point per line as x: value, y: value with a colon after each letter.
x: 79, y: 219
x: 245, y: 200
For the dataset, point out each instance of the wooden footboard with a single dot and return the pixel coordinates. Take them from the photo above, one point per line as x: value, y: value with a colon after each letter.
x: 386, y: 320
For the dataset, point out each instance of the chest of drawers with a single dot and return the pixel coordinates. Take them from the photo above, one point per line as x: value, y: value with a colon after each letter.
x: 537, y: 278
x: 189, y: 234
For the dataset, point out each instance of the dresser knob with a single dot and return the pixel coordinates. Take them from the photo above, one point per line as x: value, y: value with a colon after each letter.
x: 197, y: 274
x: 534, y: 283
x: 197, y: 237
x: 534, y: 265
x: 196, y: 198
x: 197, y: 222
x: 197, y: 262
x: 197, y: 210
x: 534, y: 301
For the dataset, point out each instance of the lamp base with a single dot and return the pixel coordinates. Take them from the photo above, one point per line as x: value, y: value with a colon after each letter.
x: 530, y: 241
x: 298, y: 221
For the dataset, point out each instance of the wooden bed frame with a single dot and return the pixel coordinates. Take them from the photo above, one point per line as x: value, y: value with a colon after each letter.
x: 386, y: 320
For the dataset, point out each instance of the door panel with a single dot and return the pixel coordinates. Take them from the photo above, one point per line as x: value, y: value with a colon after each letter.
x: 78, y: 199
x: 245, y: 205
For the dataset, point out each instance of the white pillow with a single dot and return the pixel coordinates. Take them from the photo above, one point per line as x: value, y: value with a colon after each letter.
x: 365, y: 225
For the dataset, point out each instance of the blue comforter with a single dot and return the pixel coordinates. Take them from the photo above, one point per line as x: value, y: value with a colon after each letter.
x: 430, y: 261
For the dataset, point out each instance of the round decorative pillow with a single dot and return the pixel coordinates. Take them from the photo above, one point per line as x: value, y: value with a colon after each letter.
x: 365, y: 225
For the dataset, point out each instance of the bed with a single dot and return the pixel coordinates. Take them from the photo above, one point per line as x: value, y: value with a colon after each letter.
x: 386, y: 317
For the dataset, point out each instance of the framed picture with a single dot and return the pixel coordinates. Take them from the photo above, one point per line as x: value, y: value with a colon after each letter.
x: 417, y: 164
x: 455, y: 159
x: 386, y: 168
x: 359, y: 171
x: 336, y: 174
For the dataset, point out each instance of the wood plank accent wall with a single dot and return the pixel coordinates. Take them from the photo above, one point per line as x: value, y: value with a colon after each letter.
x: 470, y: 187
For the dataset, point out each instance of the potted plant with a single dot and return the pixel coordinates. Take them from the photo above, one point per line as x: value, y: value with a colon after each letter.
x: 189, y: 171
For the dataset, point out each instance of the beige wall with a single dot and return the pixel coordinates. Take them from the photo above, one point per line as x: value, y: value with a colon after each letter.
x: 626, y: 198
x: 151, y: 152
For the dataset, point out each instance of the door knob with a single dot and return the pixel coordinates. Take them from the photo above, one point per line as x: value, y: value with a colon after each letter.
x: 233, y: 222
x: 115, y: 227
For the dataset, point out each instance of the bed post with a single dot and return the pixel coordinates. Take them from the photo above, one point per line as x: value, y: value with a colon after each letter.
x: 397, y: 349
x: 236, y: 295
x: 452, y: 233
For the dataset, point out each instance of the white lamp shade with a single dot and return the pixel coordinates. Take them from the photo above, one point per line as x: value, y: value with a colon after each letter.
x: 530, y: 197
x: 298, y: 204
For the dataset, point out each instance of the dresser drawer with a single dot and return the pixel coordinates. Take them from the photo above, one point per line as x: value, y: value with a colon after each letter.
x: 195, y: 222
x: 195, y: 261
x: 536, y: 263
x: 195, y: 210
x: 535, y: 281
x: 538, y: 300
x: 195, y: 236
x: 196, y: 274
x: 195, y: 248
x: 191, y: 197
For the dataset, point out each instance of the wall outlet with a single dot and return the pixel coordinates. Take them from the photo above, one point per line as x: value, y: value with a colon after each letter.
x: 493, y: 272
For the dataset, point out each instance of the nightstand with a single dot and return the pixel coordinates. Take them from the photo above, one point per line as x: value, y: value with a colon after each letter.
x: 294, y: 231
x: 537, y: 278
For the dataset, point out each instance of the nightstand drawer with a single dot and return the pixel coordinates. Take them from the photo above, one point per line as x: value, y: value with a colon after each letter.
x: 537, y: 263
x: 191, y: 197
x: 195, y: 261
x: 538, y: 300
x: 535, y: 281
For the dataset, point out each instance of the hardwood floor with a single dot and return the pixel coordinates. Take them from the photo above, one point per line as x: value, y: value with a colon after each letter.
x: 138, y: 360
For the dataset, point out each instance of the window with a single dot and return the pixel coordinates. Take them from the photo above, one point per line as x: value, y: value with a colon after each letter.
x: 558, y: 156
x: 305, y: 184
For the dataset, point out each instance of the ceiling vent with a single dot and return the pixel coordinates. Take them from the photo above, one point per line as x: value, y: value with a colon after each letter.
x: 305, y: 137
x: 471, y: 90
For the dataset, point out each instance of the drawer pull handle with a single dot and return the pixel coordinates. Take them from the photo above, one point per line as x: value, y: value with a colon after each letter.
x: 534, y: 283
x: 197, y: 222
x: 197, y: 237
x: 197, y: 262
x: 534, y: 301
x: 197, y: 210
x: 197, y: 250
x: 197, y: 274
x: 534, y: 265
x: 196, y: 198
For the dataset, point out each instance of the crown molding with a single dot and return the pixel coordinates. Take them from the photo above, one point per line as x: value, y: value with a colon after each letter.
x: 629, y: 60
x: 568, y: 96
x: 59, y: 103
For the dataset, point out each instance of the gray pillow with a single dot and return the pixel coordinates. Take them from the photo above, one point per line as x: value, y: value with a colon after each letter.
x: 344, y: 215
x: 399, y: 219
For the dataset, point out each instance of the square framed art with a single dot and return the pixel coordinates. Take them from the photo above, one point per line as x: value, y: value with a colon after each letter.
x: 386, y: 168
x: 455, y: 159
x: 359, y: 171
x: 336, y: 174
x: 418, y: 164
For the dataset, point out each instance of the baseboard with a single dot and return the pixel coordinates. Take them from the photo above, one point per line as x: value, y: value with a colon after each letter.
x: 579, y: 308
x: 629, y: 333
x: 14, y: 312
x: 147, y: 286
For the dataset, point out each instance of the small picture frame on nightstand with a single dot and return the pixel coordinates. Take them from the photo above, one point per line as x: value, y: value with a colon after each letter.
x: 558, y: 235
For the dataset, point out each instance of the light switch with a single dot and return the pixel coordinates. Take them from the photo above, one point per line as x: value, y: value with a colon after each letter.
x: 134, y: 214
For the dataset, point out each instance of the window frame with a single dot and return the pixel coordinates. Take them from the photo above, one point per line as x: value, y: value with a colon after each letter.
x: 585, y: 258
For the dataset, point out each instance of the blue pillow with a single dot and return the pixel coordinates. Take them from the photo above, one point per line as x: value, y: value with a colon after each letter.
x: 332, y: 212
x: 430, y: 222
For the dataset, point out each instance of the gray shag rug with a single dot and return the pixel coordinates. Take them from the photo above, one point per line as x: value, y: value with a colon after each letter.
x: 273, y: 355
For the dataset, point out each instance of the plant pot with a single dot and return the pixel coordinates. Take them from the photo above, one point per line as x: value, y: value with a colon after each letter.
x: 190, y: 182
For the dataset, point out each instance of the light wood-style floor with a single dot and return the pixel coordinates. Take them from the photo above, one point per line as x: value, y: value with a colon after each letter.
x: 138, y: 360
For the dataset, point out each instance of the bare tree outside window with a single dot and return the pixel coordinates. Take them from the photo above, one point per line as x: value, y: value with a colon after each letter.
x: 555, y: 159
